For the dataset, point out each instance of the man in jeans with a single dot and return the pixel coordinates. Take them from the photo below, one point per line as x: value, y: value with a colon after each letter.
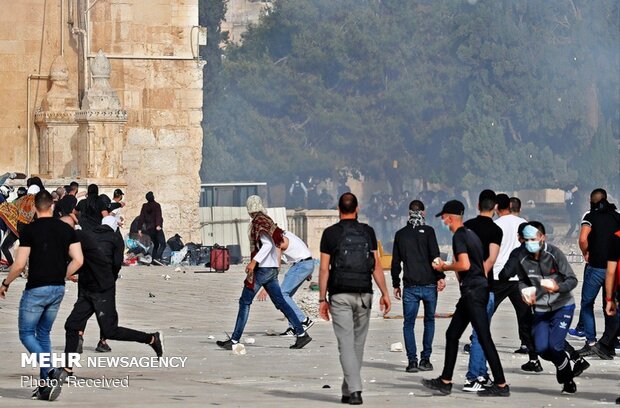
x: 471, y: 307
x: 262, y: 271
x: 415, y: 245
x: 47, y: 244
x: 597, y: 229
x: 349, y: 262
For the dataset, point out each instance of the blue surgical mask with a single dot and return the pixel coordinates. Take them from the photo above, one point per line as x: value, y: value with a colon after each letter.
x: 445, y: 226
x: 532, y: 246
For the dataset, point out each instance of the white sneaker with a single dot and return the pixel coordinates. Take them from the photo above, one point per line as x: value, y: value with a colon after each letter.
x: 473, y: 386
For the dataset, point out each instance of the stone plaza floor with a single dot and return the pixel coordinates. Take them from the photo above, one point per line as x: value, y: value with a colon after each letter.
x: 195, y: 309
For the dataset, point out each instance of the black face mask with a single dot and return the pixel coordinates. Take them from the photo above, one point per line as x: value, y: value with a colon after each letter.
x: 601, y: 205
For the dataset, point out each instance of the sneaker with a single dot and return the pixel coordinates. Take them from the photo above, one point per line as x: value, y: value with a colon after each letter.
x: 577, y: 334
x: 522, y: 350
x: 103, y: 347
x: 301, y: 341
x: 467, y: 347
x: 412, y: 367
x: 569, y: 387
x: 307, y: 323
x: 474, y: 386
x: 586, y: 350
x: 580, y: 365
x: 495, y: 391
x: 290, y: 332
x: 158, y: 344
x: 599, y: 350
x: 436, y: 384
x: 157, y: 262
x: 226, y: 344
x: 57, y: 377
x: 80, y: 347
x: 425, y: 365
x: 532, y: 366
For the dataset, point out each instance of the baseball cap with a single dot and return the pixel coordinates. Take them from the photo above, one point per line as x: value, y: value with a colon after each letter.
x: 454, y: 207
x: 118, y: 192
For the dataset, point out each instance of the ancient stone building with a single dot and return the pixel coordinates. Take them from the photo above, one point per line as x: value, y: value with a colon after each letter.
x: 241, y: 13
x: 105, y: 91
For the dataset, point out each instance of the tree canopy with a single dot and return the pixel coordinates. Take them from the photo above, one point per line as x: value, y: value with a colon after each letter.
x: 502, y: 94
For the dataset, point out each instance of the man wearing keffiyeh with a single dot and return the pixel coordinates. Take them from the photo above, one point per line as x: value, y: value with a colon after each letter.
x: 262, y: 271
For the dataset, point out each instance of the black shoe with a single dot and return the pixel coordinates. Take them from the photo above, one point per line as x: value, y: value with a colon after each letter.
x: 580, y: 365
x: 57, y: 378
x: 102, y: 347
x: 467, y: 348
x: 586, y: 351
x: 532, y: 366
x: 290, y: 332
x: 345, y: 399
x: 412, y: 367
x: 495, y: 391
x: 226, y: 344
x: 599, y: 350
x: 307, y: 323
x: 522, y: 350
x: 41, y: 393
x: 80, y: 347
x: 356, y: 398
x: 437, y: 384
x: 301, y: 341
x: 158, y: 344
x: 425, y: 365
x: 569, y: 387
x: 618, y: 401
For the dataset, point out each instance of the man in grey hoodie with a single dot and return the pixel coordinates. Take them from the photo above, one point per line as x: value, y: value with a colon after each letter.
x: 546, y: 281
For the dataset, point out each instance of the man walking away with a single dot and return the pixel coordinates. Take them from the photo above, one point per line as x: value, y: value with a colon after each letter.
x: 47, y: 244
x: 349, y: 261
x: 472, y: 305
x: 153, y: 222
x: 415, y: 245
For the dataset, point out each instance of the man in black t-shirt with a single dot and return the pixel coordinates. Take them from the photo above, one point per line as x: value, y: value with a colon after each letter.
x: 471, y: 307
x: 350, y: 290
x: 490, y: 235
x: 54, y: 254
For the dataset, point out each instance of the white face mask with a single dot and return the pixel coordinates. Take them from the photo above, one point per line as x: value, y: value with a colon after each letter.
x: 533, y: 246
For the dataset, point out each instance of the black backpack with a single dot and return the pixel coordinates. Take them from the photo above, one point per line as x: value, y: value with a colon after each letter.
x: 353, y: 262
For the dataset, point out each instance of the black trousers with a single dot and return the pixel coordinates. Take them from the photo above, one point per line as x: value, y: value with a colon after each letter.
x: 103, y: 305
x: 471, y: 308
x: 612, y: 329
x: 510, y: 290
x: 7, y: 244
x: 159, y: 243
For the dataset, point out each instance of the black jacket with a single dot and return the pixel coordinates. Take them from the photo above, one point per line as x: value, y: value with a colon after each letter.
x: 415, y: 248
x: 103, y: 257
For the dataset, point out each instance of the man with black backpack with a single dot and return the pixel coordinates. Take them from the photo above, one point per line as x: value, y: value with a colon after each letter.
x: 349, y: 261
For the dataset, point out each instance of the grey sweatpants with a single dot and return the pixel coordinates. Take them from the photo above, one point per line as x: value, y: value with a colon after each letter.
x: 350, y: 316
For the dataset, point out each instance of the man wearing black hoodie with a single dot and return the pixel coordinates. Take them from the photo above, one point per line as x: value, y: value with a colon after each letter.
x: 151, y: 218
x: 103, y: 256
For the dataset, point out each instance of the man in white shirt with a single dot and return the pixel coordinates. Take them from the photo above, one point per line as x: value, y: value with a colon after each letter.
x: 508, y: 210
x: 265, y: 238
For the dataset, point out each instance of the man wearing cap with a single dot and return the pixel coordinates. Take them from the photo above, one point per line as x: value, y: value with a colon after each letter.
x: 471, y: 307
x: 103, y: 256
x: 546, y: 281
x: 117, y: 205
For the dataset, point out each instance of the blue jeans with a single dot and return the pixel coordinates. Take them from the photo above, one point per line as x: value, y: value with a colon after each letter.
x: 267, y: 277
x: 293, y: 279
x: 38, y: 308
x: 593, y: 280
x: 411, y: 303
x: 477, y: 362
x: 549, y: 331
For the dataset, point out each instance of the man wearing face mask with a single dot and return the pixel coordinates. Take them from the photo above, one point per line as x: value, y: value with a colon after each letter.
x: 546, y: 281
x: 471, y: 307
x: 597, y: 229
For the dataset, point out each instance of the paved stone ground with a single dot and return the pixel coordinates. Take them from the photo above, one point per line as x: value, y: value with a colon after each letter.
x: 190, y: 308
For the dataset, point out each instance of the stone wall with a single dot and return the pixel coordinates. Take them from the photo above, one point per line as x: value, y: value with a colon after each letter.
x: 148, y: 43
x: 241, y: 13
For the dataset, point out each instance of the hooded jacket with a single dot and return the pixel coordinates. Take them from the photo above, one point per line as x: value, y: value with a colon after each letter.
x: 552, y: 264
x: 103, y: 257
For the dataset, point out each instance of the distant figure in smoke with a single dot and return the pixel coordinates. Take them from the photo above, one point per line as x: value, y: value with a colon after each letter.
x: 298, y: 193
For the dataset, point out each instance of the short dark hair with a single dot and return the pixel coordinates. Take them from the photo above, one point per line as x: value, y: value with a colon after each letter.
x: 503, y: 201
x: 515, y: 204
x: 598, y: 194
x: 487, y: 200
x: 520, y: 228
x: 43, y: 200
x: 416, y: 205
x: 538, y: 225
x: 74, y: 184
x: 347, y: 203
x: 67, y: 189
